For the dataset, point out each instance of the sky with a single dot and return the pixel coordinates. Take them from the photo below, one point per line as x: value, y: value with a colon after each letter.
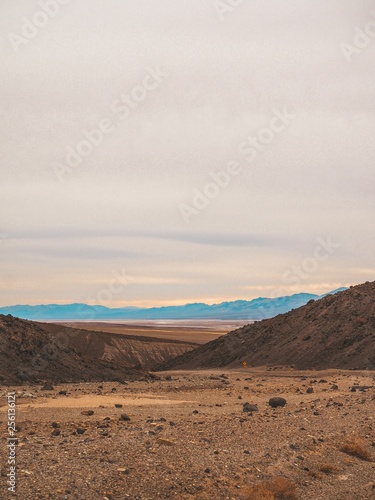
x: 163, y: 152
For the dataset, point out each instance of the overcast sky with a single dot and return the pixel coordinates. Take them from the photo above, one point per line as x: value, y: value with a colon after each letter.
x: 179, y: 88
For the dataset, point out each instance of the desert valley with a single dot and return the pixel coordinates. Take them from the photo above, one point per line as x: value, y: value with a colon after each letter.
x: 282, y: 408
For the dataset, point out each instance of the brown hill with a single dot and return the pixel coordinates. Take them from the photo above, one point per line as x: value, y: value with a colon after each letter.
x: 31, y: 351
x: 337, y: 331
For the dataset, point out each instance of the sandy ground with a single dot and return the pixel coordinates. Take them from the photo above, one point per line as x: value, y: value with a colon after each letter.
x: 186, y: 436
x: 200, y: 332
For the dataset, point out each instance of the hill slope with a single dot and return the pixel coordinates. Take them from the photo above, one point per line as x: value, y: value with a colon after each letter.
x: 337, y: 331
x: 31, y: 351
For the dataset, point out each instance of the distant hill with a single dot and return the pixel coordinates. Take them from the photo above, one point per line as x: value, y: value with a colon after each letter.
x: 337, y: 331
x: 256, y: 309
x: 31, y: 352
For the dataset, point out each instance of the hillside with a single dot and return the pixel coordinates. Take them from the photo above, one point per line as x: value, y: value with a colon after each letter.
x: 259, y: 308
x: 337, y: 331
x: 31, y: 351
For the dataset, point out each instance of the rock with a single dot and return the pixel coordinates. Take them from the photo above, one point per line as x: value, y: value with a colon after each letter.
x: 334, y: 387
x: 47, y: 387
x: 207, y: 471
x: 118, y: 405
x: 249, y: 407
x: 165, y: 442
x: 195, y: 412
x: 124, y: 417
x: 309, y: 390
x: 81, y: 430
x: 87, y: 412
x: 124, y: 471
x: 62, y: 393
x: 56, y: 432
x: 55, y: 425
x: 277, y: 401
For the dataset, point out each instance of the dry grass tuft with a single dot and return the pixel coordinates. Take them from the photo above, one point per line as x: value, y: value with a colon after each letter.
x: 328, y: 468
x: 278, y: 489
x: 355, y: 447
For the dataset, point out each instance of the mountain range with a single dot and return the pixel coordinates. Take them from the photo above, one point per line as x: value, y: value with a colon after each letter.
x: 256, y: 309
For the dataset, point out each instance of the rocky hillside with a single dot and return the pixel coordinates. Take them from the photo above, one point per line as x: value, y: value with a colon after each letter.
x: 337, y: 331
x: 31, y: 352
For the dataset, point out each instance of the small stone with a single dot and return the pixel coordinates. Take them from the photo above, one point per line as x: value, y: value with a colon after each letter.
x: 47, y: 387
x: 62, y: 393
x: 249, y: 407
x: 87, y: 412
x: 81, y: 430
x: 165, y: 442
x: 310, y: 390
x: 195, y: 412
x: 124, y: 471
x: 124, y: 417
x: 277, y: 401
x: 207, y: 471
x: 55, y: 425
x: 56, y: 432
x: 118, y: 405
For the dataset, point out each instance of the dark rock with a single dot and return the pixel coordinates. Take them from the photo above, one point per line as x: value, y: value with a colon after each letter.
x: 275, y: 402
x: 310, y: 390
x: 81, y: 430
x: 124, y: 417
x: 47, y: 387
x: 249, y: 407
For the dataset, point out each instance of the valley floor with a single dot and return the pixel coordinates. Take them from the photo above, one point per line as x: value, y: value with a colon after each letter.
x: 184, y: 435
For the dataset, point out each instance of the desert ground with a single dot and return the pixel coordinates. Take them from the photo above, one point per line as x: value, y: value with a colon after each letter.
x: 185, y: 435
x: 198, y: 331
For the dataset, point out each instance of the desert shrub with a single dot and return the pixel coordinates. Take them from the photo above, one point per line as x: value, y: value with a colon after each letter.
x: 278, y: 489
x: 357, y: 448
x: 328, y: 468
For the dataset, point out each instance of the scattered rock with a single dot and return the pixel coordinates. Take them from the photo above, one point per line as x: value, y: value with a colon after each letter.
x: 124, y: 417
x: 249, y: 407
x: 165, y: 442
x: 47, y: 387
x: 87, y: 412
x: 277, y: 401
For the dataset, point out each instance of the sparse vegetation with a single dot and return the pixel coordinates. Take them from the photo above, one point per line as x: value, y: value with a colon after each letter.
x: 355, y: 447
x: 278, y: 489
x: 328, y: 468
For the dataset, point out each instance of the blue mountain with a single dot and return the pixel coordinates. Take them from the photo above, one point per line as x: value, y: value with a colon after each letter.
x: 256, y: 309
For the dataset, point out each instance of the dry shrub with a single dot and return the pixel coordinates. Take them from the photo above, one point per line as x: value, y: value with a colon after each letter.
x: 278, y: 489
x: 357, y: 448
x: 328, y: 468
